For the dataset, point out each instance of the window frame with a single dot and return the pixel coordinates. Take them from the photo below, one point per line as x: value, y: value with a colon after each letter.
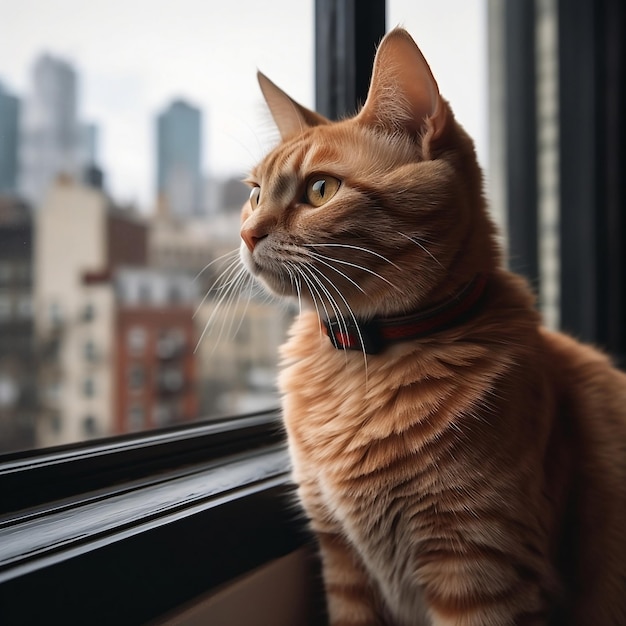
x: 67, y: 529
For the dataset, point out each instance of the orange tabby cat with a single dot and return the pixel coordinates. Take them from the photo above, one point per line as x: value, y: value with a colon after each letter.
x: 459, y: 463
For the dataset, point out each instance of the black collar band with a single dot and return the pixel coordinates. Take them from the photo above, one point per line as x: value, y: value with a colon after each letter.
x: 373, y: 336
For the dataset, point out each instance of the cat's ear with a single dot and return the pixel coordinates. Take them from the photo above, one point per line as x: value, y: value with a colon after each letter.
x: 403, y: 92
x: 290, y: 117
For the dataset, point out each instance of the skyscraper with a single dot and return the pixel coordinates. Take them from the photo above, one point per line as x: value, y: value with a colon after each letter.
x: 179, y: 153
x: 50, y: 131
x: 9, y: 134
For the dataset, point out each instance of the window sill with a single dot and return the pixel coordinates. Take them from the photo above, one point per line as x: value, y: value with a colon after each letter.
x: 158, y: 520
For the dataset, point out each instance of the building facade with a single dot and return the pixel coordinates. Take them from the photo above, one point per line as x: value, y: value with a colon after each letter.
x: 116, y: 338
x: 18, y: 384
x: 74, y: 315
x: 155, y: 367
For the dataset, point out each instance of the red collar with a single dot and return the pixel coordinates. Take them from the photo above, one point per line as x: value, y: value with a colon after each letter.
x: 374, y: 335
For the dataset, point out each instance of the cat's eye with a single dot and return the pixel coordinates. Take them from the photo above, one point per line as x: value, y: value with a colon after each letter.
x: 255, y: 192
x: 320, y: 189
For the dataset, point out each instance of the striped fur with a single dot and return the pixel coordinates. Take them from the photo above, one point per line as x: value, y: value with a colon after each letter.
x: 474, y: 477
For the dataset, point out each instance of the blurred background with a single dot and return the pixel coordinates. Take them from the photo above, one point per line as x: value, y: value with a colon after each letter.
x: 125, y: 131
x: 124, y: 134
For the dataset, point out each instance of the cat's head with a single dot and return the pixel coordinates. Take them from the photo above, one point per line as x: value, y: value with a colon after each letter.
x: 372, y: 215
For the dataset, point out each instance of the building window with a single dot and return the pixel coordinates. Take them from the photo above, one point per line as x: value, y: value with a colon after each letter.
x: 145, y: 294
x: 88, y: 312
x: 162, y: 415
x: 136, y: 340
x: 55, y: 314
x: 136, y: 377
x: 56, y: 422
x: 53, y: 391
x: 171, y: 380
x: 174, y: 295
x: 9, y: 390
x: 89, y: 388
x: 171, y: 343
x: 90, y: 426
x: 136, y: 418
x: 90, y: 351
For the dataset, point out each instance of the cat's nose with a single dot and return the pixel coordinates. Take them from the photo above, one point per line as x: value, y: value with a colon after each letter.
x: 251, y: 236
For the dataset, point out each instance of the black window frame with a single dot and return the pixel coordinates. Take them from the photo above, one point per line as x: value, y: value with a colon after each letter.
x: 126, y: 529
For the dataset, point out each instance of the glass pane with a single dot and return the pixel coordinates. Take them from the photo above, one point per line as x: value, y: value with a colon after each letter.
x: 124, y: 134
x: 452, y: 35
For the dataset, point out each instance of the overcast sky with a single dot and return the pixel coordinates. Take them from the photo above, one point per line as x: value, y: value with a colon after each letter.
x: 134, y: 57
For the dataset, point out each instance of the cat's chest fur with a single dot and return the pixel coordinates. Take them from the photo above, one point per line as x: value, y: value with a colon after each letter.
x: 381, y: 448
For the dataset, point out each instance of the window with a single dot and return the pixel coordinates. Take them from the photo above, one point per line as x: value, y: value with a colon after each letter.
x: 136, y: 377
x: 174, y: 294
x: 170, y: 379
x: 214, y: 489
x: 144, y: 293
x: 89, y: 351
x: 54, y: 389
x: 88, y: 312
x: 170, y: 343
x: 90, y: 426
x: 89, y: 388
x: 55, y: 314
x: 136, y: 417
x: 136, y: 340
x: 219, y: 478
x: 56, y: 422
x: 125, y: 272
x: 9, y: 390
x: 163, y: 414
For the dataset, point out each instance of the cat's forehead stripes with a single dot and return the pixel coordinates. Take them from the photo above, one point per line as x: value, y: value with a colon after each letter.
x: 286, y: 167
x: 279, y: 171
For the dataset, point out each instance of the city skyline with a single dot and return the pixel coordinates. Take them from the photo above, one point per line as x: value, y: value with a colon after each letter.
x: 130, y: 68
x: 53, y: 139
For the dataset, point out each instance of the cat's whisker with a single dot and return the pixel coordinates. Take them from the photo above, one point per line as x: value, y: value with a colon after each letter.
x: 310, y: 270
x: 320, y: 258
x: 353, y: 317
x: 299, y: 276
x: 356, y: 266
x: 332, y: 302
x: 420, y: 245
x: 297, y: 286
x: 236, y: 291
x: 234, y: 252
x: 351, y: 247
x: 208, y: 327
x: 225, y: 276
x: 236, y: 294
x: 315, y: 292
